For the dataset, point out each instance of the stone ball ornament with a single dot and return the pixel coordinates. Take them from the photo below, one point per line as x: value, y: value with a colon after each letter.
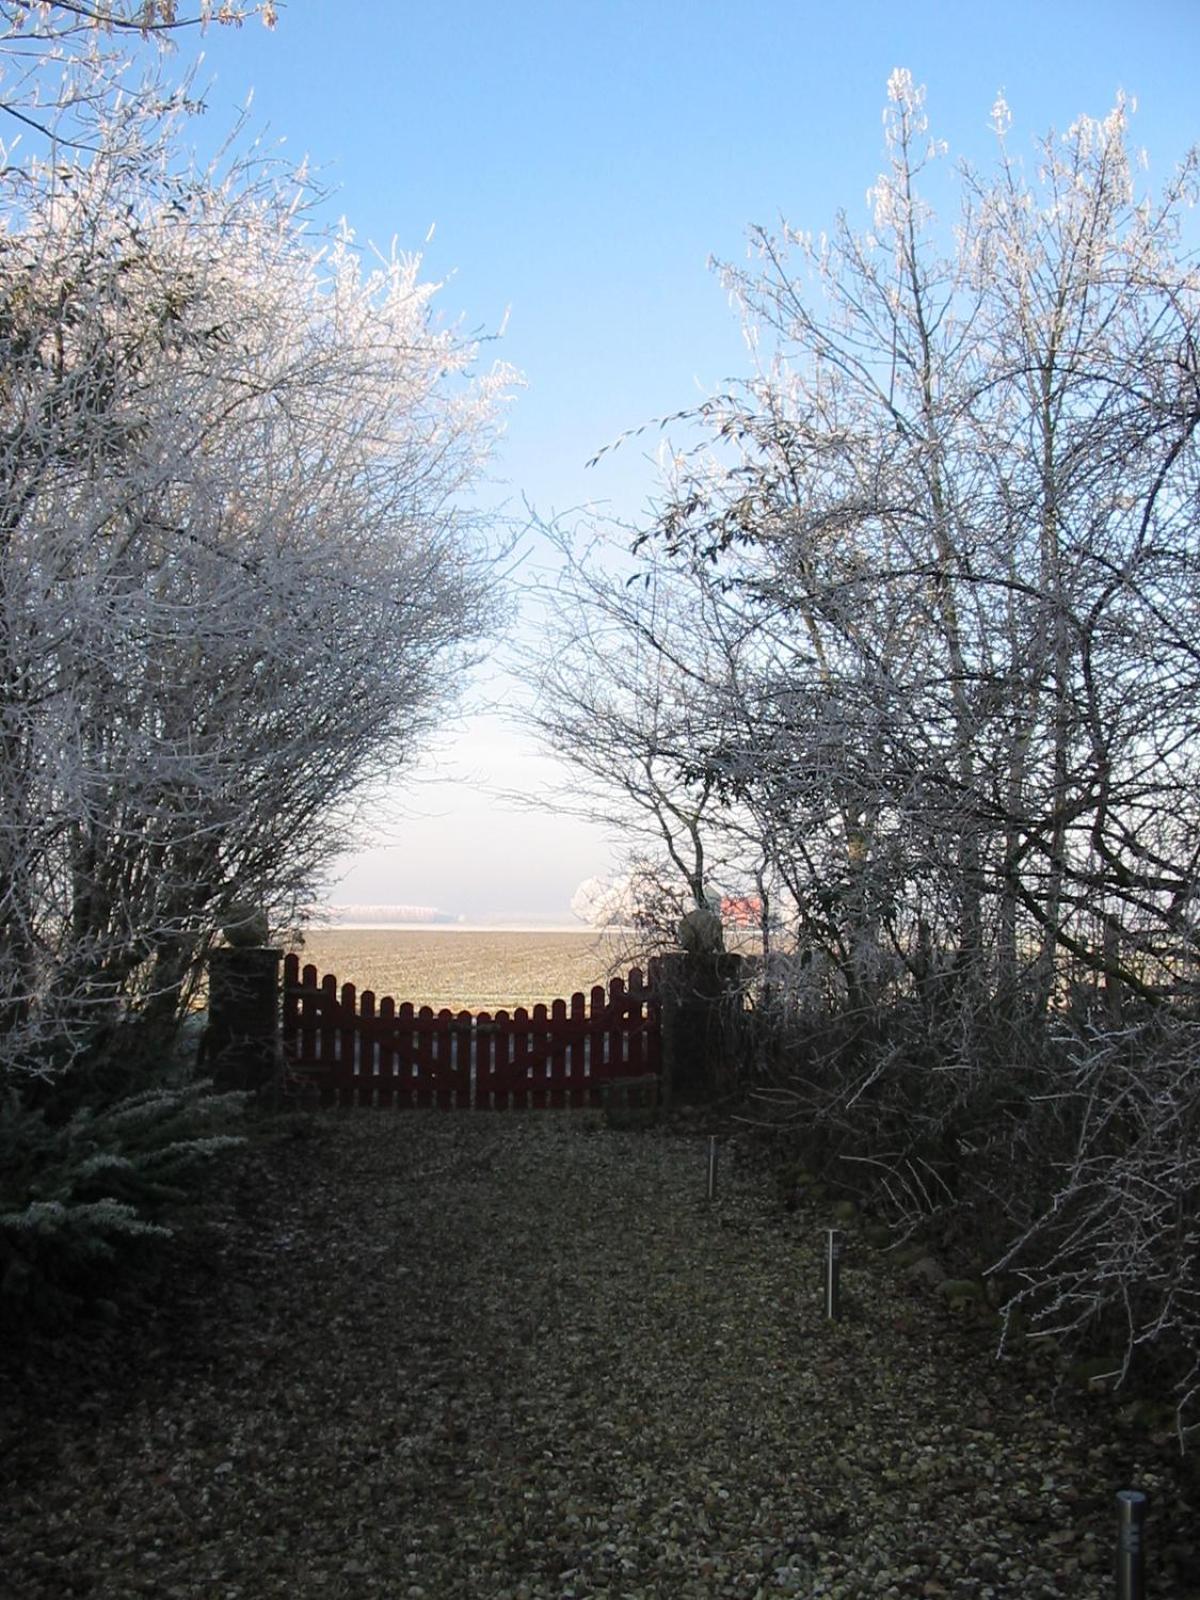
x: 245, y: 926
x: 700, y: 932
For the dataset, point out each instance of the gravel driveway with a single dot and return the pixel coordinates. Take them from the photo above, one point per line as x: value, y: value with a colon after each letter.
x: 441, y: 1355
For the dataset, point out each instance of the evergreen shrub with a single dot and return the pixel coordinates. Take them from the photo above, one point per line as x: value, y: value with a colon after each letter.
x: 85, y: 1202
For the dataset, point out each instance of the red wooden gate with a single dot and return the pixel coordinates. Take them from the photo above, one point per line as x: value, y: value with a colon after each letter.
x: 359, y: 1052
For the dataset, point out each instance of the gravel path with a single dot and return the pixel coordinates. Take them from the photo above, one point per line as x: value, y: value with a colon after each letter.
x: 522, y: 1358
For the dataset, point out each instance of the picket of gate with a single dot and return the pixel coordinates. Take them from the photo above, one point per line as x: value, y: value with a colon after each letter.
x: 360, y: 1052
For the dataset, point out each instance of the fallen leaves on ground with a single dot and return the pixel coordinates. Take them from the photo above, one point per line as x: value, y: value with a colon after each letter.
x: 429, y: 1355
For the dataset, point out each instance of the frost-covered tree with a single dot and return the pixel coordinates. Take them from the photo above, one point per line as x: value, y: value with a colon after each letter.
x: 613, y: 684
x: 234, y: 587
x: 59, y: 59
x: 967, y: 472
x: 41, y: 22
x: 957, y: 507
x: 634, y: 671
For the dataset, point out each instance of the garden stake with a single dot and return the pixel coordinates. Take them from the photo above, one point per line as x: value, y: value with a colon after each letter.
x: 833, y: 1267
x: 1131, y: 1545
x: 712, y: 1167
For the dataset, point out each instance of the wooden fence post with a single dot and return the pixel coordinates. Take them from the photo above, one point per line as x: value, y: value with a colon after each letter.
x: 240, y: 1043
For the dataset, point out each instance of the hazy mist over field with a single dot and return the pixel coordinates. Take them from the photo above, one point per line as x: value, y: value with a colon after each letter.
x: 471, y: 855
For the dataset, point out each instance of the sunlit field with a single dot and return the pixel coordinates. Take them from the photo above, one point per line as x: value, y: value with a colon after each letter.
x: 466, y: 970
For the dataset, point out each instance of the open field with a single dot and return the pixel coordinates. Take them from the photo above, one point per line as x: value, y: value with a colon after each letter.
x: 466, y: 970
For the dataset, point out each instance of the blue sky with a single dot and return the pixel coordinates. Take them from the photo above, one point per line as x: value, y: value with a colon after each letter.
x: 580, y: 162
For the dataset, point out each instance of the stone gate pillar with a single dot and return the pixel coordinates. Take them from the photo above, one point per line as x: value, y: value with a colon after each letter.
x: 241, y: 1043
x: 700, y: 1011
